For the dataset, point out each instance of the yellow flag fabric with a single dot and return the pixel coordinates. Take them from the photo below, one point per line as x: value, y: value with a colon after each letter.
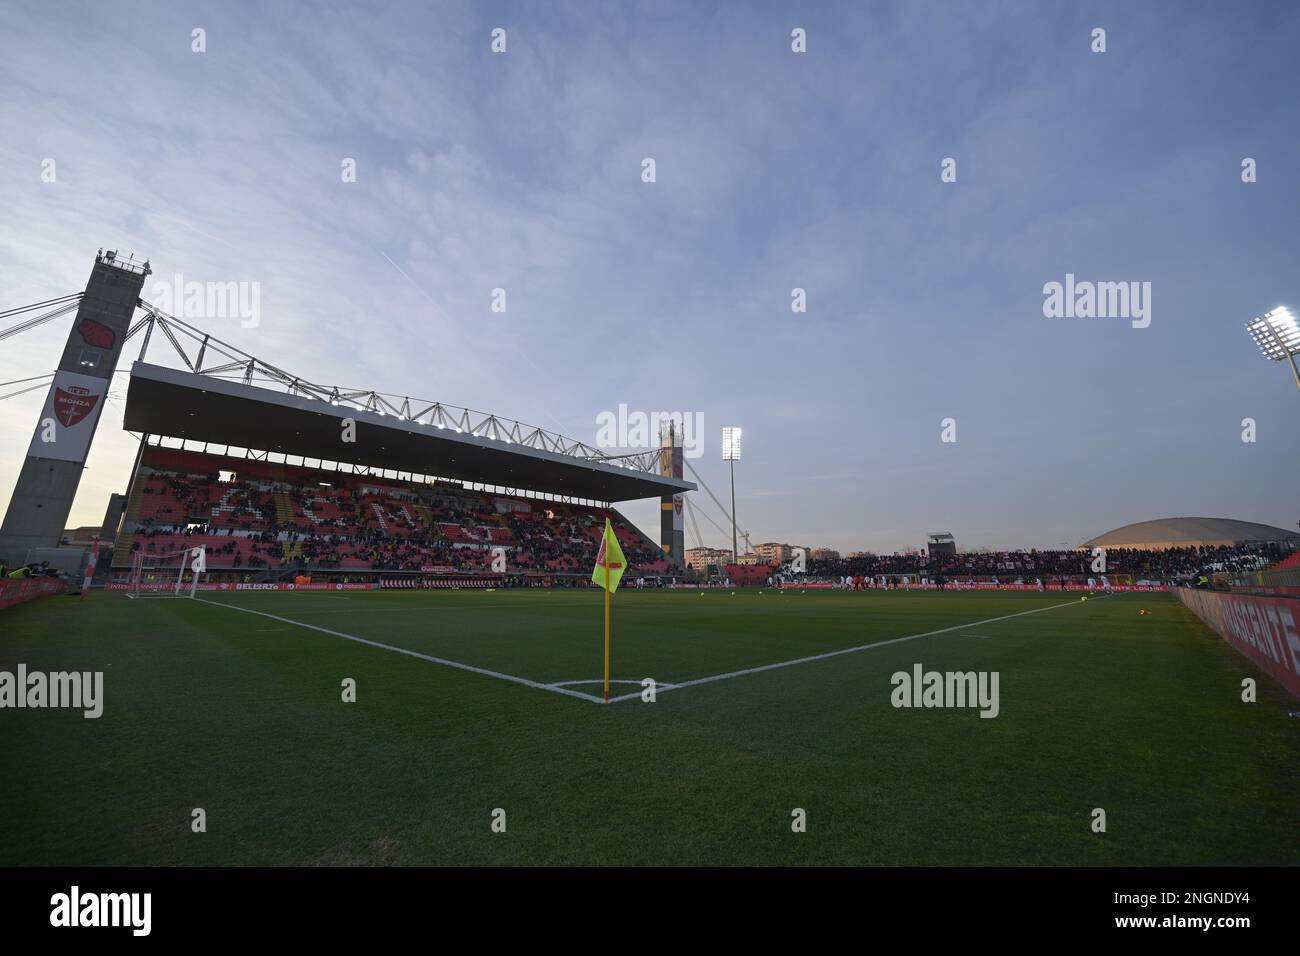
x: 609, y: 560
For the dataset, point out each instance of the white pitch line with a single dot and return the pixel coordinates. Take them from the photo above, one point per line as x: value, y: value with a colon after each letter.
x: 848, y: 650
x: 402, y: 650
x: 600, y: 680
x: 441, y: 610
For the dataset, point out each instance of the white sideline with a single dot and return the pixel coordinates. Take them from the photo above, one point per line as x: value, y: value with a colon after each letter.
x: 402, y: 650
x: 847, y: 650
x: 558, y: 688
x: 599, y: 680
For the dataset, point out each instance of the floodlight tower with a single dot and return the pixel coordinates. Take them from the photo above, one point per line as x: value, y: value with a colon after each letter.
x: 731, y: 453
x: 1278, y: 337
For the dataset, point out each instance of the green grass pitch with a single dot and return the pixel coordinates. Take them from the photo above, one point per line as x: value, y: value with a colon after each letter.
x: 241, y: 714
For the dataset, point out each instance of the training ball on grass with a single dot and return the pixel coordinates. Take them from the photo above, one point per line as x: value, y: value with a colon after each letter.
x: 1142, y: 613
x: 1084, y: 598
x: 733, y: 593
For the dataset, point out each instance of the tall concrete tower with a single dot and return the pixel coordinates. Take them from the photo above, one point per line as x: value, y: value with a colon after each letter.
x: 672, y: 533
x: 47, y: 483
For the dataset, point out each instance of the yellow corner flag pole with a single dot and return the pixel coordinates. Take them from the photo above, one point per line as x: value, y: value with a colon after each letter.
x: 608, y: 560
x: 607, y: 625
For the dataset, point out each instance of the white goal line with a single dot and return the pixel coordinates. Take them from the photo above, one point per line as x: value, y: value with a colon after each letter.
x: 409, y: 653
x: 563, y: 688
x: 846, y: 650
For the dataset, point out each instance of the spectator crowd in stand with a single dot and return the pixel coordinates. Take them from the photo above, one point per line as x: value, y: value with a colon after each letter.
x: 365, y: 523
x: 305, y: 519
x: 1166, y: 564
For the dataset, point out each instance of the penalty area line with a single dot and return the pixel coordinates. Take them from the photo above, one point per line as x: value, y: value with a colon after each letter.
x: 678, y: 685
x: 409, y: 653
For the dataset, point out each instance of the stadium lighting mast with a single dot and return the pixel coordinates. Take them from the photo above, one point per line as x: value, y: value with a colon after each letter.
x: 731, y: 453
x: 1278, y: 336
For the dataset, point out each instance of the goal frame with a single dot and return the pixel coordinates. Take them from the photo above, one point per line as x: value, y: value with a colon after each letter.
x: 190, y: 561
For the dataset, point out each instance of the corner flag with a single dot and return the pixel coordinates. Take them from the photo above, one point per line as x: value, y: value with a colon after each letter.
x: 610, y: 565
x: 609, y: 560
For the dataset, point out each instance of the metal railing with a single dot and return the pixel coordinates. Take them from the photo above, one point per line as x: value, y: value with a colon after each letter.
x: 248, y: 369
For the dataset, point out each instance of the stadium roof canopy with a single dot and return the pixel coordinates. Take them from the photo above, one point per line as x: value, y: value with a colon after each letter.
x: 205, y: 408
x: 1189, y: 532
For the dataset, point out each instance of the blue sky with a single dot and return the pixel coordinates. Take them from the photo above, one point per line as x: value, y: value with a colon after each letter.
x: 775, y: 170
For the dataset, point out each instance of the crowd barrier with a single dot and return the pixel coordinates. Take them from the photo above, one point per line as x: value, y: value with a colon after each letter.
x: 1050, y: 587
x: 241, y: 586
x: 17, y: 590
x: 1263, y: 629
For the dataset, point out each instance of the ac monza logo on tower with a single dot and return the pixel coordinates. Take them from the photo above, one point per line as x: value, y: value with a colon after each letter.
x: 97, y: 334
x: 72, y: 404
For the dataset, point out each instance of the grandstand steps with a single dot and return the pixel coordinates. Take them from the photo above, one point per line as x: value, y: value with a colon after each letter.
x: 122, y: 548
x: 133, y: 505
x: 122, y: 545
x: 283, y: 506
x: 426, y: 517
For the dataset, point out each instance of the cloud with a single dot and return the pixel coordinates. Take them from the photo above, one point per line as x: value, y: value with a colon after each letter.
x: 522, y: 172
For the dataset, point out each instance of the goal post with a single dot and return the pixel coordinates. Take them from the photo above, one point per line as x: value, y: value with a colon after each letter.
x: 174, y: 574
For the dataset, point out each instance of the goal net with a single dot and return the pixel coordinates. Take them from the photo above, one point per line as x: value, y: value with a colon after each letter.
x: 175, y: 574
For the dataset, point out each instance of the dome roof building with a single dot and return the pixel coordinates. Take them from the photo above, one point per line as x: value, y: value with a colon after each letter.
x: 1190, y: 533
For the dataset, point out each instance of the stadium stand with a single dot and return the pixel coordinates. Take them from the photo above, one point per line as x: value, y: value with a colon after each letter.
x: 1136, y: 563
x: 261, y: 516
x: 255, y: 514
x: 1291, y: 561
x: 749, y: 575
